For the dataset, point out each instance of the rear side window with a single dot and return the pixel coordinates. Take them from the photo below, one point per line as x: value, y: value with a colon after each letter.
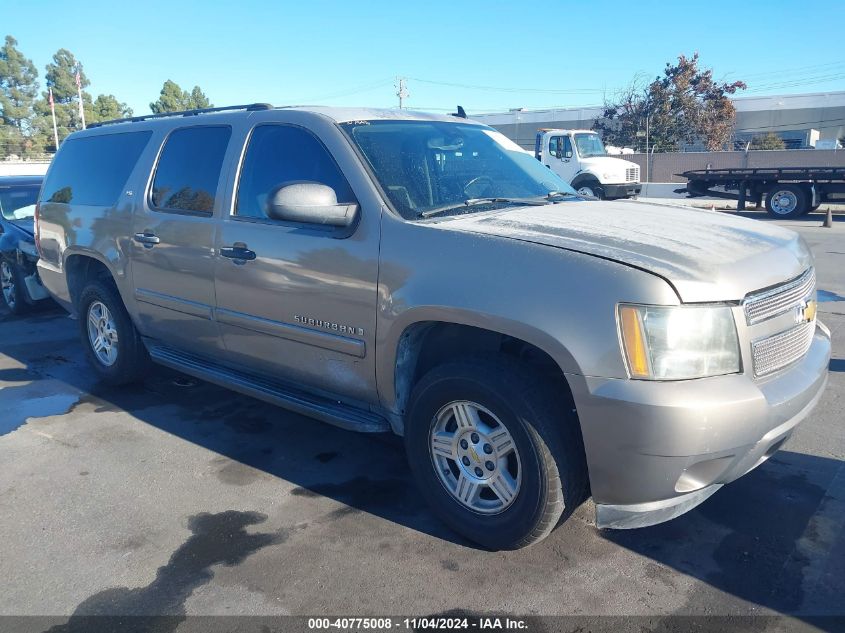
x: 93, y: 170
x: 279, y: 154
x: 189, y: 169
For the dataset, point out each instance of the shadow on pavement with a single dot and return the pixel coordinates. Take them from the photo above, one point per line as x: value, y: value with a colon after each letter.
x: 364, y: 472
x: 764, y: 538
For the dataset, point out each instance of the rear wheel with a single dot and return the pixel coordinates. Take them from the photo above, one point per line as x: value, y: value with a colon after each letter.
x: 787, y: 201
x: 112, y: 344
x: 12, y: 285
x: 496, y: 455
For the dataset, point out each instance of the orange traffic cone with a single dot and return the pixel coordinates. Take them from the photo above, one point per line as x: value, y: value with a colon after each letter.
x: 828, y: 221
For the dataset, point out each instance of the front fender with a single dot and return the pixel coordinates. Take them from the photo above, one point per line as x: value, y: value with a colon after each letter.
x: 560, y: 301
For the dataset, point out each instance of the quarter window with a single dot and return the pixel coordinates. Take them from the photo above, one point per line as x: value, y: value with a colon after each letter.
x: 93, y: 170
x: 189, y: 169
x: 279, y: 154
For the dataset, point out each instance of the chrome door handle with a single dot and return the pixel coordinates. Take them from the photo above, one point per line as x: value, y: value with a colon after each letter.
x: 147, y: 239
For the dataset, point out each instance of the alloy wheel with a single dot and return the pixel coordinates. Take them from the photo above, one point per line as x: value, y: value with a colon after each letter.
x: 102, y: 333
x: 475, y: 457
x: 7, y: 282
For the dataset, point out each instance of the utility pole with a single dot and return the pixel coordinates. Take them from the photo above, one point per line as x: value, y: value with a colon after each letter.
x: 647, y: 116
x: 79, y: 94
x: 402, y: 90
x: 53, y: 111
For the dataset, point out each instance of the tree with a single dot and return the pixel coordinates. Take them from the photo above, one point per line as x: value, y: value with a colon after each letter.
x: 107, y: 107
x: 18, y: 85
x: 682, y: 106
x: 61, y: 78
x: 173, y: 99
x: 770, y: 140
x: 18, y: 91
x: 199, y: 100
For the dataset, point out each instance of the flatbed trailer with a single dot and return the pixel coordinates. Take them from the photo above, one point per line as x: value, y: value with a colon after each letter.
x: 789, y: 192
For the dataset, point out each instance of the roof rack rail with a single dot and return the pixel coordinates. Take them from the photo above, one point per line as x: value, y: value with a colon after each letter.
x: 251, y: 107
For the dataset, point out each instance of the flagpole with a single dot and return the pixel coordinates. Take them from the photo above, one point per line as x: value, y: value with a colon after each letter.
x: 53, y: 110
x: 79, y: 94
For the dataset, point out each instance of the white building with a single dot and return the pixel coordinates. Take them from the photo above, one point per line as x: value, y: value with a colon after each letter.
x: 799, y: 119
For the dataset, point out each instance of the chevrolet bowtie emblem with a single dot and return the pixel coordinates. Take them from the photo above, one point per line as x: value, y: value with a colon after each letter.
x: 806, y: 312
x: 474, y: 455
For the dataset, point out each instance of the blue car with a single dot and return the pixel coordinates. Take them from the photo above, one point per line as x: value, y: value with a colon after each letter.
x: 21, y: 286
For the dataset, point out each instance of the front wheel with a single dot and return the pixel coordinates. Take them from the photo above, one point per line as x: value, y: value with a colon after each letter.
x: 12, y: 285
x: 495, y: 453
x: 591, y: 190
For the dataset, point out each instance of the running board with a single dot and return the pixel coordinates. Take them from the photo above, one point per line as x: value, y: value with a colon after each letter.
x: 323, y: 409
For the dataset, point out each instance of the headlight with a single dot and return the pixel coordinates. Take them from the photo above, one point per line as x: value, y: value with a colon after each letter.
x: 678, y: 342
x: 27, y: 249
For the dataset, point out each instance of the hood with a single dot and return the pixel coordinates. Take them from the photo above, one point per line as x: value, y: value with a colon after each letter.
x: 27, y: 225
x: 611, y: 165
x: 705, y: 255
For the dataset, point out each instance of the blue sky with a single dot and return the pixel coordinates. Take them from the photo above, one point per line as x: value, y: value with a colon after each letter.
x: 487, y: 56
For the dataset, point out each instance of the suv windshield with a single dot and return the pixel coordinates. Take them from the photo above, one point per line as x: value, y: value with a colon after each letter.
x: 428, y: 167
x: 16, y: 201
x: 589, y: 145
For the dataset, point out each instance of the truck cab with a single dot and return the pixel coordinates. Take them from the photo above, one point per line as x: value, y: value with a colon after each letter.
x: 580, y: 158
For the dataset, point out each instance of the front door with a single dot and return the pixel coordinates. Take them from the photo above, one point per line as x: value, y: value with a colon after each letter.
x: 172, y: 246
x: 561, y: 157
x: 295, y: 301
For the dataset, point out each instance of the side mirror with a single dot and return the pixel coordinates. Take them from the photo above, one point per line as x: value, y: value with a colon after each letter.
x: 309, y: 202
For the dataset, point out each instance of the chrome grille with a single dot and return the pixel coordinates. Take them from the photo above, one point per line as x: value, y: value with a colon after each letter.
x: 778, y: 351
x: 770, y: 303
x: 632, y: 174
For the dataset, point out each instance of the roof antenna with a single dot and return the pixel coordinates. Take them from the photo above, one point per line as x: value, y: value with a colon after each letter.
x: 461, y: 113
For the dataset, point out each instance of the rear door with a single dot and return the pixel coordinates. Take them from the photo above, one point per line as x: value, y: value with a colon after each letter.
x: 303, y: 307
x: 173, y: 236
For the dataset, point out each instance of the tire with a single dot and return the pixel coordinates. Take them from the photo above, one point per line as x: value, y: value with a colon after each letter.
x: 130, y: 359
x: 12, y: 287
x: 590, y: 188
x: 787, y: 201
x: 545, y: 467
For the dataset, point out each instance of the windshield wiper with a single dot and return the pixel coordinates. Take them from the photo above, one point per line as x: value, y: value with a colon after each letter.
x: 553, y: 195
x: 471, y: 202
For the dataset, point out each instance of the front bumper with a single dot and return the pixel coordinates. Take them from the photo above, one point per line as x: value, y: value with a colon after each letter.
x: 627, y: 190
x: 657, y: 449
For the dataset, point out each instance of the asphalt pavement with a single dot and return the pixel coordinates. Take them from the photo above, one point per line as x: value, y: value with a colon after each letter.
x: 180, y: 497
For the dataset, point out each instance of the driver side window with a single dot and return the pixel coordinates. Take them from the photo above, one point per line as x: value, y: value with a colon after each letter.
x: 278, y: 154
